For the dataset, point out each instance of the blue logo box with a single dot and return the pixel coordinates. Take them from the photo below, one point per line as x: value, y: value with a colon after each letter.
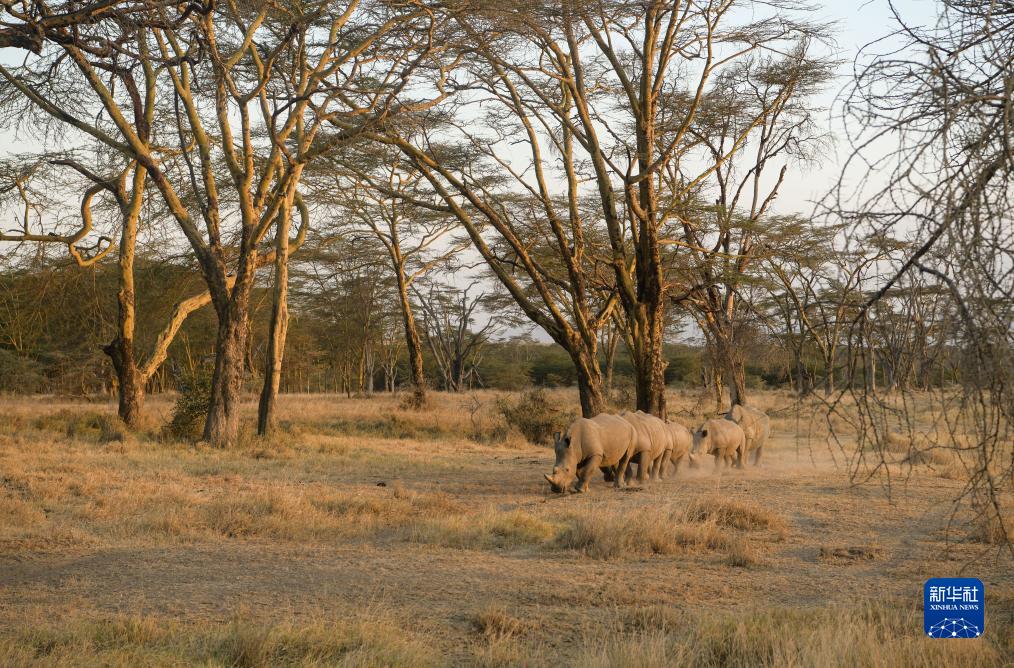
x: 954, y: 608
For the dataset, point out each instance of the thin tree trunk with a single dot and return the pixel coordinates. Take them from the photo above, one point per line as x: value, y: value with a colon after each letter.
x: 718, y: 390
x: 829, y: 381
x: 413, y: 343
x: 611, y: 343
x: 278, y: 329
x: 736, y: 382
x: 121, y: 350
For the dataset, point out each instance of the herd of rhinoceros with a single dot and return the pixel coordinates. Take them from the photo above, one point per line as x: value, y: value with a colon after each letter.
x: 613, y: 443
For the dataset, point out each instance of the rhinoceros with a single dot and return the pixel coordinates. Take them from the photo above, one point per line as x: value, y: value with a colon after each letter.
x: 722, y: 438
x: 603, y: 441
x: 756, y: 426
x: 682, y: 442
x: 653, y: 444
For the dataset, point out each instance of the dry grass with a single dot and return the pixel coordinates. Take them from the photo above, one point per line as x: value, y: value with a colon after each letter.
x: 740, y: 554
x: 618, y: 536
x: 735, y: 514
x: 852, y: 637
x: 366, y: 534
x: 134, y: 641
x: 496, y: 623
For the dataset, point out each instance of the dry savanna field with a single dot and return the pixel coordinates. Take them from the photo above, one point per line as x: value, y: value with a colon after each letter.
x: 365, y: 534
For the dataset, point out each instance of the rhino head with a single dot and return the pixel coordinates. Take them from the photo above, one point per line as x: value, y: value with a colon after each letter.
x: 565, y: 469
x: 701, y: 439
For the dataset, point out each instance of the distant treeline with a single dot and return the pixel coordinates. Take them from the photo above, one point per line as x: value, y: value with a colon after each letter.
x: 55, y: 319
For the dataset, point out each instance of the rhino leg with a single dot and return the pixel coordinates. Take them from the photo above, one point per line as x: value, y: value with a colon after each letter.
x: 608, y: 473
x: 676, y: 464
x: 643, y: 464
x: 663, y: 464
x: 718, y: 460
x: 660, y: 465
x: 757, y: 455
x: 740, y: 457
x: 620, y: 480
x: 584, y: 477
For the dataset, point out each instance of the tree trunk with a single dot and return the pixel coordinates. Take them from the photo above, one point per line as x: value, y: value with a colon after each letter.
x: 649, y: 378
x: 736, y: 380
x: 222, y: 426
x: 589, y: 385
x: 278, y: 328
x: 730, y: 362
x: 829, y: 379
x: 802, y: 377
x: 590, y: 390
x: 719, y: 389
x: 129, y: 383
x: 121, y: 351
x: 413, y: 343
x: 611, y: 344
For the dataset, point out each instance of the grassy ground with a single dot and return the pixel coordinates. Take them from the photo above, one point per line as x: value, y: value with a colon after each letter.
x: 364, y: 534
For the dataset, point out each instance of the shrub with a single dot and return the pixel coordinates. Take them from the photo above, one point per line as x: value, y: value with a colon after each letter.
x: 535, y: 415
x: 191, y: 407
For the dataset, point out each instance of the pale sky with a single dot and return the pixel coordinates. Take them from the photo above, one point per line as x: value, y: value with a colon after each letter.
x: 857, y: 24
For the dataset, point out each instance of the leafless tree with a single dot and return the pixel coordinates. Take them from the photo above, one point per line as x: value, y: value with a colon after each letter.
x: 930, y: 119
x: 457, y: 323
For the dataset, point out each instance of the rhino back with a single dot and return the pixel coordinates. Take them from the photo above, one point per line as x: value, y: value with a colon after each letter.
x: 682, y: 439
x: 643, y: 443
x: 755, y: 424
x: 615, y: 437
x: 658, y: 432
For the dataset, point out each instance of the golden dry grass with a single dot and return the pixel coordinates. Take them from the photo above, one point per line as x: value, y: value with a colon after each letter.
x: 365, y: 534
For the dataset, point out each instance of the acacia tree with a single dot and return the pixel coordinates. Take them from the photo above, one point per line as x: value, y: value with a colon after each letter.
x: 600, y: 98
x: 758, y: 117
x: 245, y: 116
x: 340, y: 280
x: 824, y: 287
x: 454, y: 329
x: 24, y: 180
x: 415, y: 238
